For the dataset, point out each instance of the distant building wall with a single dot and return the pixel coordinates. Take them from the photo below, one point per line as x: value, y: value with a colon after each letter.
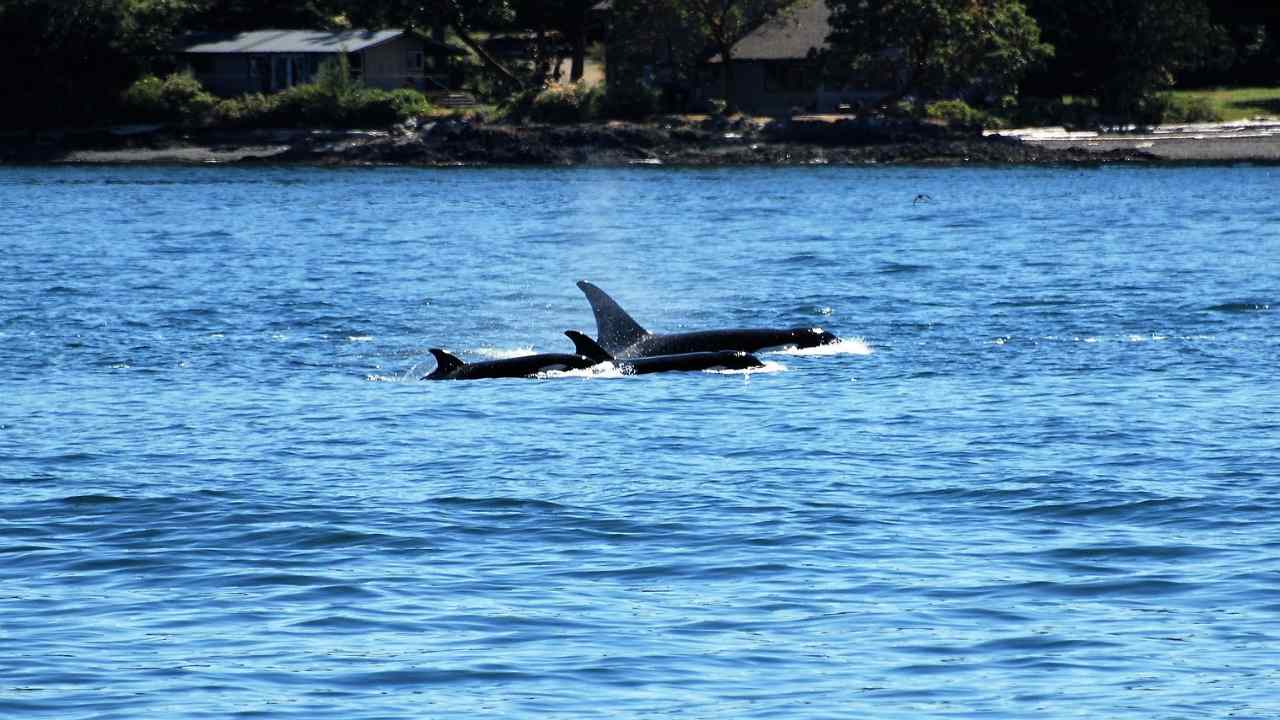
x: 772, y: 87
x: 394, y: 64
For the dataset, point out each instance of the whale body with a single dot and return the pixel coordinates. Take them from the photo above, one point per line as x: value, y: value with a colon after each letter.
x: 623, y: 337
x: 682, y: 362
x: 450, y: 367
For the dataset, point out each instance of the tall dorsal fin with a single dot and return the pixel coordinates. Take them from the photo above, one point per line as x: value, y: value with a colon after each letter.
x: 445, y: 362
x: 587, y: 347
x: 614, y: 327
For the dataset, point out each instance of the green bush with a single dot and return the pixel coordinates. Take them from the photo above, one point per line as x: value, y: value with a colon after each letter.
x: 311, y: 105
x: 246, y: 111
x: 176, y: 97
x: 566, y: 103
x: 387, y: 107
x: 959, y: 113
x: 1168, y: 108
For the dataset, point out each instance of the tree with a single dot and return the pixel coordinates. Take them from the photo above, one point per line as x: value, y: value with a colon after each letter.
x: 723, y: 23
x: 936, y: 47
x: 1123, y: 51
x: 685, y: 33
x: 68, y: 60
x: 571, y: 18
x: 464, y: 17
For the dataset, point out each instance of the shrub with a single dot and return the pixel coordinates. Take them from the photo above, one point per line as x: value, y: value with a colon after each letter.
x: 565, y: 103
x: 1169, y: 108
x: 312, y: 105
x: 1071, y: 112
x: 959, y: 113
x: 246, y: 111
x: 383, y: 107
x: 176, y: 97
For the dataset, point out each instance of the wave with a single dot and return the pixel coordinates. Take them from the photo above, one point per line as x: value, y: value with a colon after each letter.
x: 846, y: 346
x: 493, y: 353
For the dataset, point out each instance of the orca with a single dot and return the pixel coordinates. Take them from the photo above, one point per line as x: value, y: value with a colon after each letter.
x: 623, y: 337
x: 450, y: 367
x: 685, y: 362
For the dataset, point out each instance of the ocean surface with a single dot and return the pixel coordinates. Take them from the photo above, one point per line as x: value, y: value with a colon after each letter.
x: 1040, y: 478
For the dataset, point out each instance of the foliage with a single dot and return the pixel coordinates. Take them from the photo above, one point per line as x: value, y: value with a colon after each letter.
x: 241, y: 15
x: 1170, y: 108
x: 462, y: 16
x: 1070, y: 112
x: 1123, y: 52
x: 178, y: 96
x: 251, y: 110
x: 959, y: 113
x: 67, y: 62
x: 1235, y: 103
x: 566, y: 103
x: 570, y: 18
x: 332, y: 99
x: 310, y: 106
x: 936, y: 47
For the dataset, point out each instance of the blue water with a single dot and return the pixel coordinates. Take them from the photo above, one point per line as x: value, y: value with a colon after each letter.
x: 1040, y: 479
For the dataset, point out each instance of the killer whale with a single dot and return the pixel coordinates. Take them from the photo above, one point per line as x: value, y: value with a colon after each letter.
x: 451, y: 367
x: 684, y: 362
x: 620, y: 335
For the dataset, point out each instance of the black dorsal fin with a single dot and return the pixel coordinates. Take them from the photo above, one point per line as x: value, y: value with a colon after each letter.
x: 445, y: 362
x: 587, y: 347
x: 614, y: 327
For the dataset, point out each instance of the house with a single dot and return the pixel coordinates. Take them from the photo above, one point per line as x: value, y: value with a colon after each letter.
x: 778, y: 67
x: 271, y: 60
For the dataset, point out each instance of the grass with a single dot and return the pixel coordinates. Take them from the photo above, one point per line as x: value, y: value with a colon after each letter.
x: 1237, y: 103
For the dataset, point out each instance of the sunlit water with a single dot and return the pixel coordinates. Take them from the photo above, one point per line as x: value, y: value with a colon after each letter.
x: 1040, y: 479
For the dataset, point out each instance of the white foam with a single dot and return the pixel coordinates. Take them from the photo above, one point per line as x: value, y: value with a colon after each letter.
x: 847, y: 346
x: 603, y: 370
x: 493, y: 353
x: 359, y: 338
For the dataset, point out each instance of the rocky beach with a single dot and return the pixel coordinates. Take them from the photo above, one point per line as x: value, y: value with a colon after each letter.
x: 675, y: 141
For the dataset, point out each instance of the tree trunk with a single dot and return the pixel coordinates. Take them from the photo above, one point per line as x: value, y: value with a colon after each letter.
x: 579, y: 54
x: 727, y: 75
x: 543, y: 61
x: 580, y: 24
x: 490, y: 61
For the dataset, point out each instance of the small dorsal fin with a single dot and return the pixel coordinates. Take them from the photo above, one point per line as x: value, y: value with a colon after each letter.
x: 587, y: 347
x: 445, y: 362
x: 614, y: 327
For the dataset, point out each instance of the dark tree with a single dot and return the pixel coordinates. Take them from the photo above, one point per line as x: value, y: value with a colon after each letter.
x: 1122, y: 51
x: 936, y: 47
x: 67, y: 61
x: 463, y: 17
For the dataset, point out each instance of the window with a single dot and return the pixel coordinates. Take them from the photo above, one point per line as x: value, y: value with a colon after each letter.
x: 356, y: 62
x: 414, y: 60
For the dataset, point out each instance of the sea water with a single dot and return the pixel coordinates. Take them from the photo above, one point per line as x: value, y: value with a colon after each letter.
x: 1040, y: 477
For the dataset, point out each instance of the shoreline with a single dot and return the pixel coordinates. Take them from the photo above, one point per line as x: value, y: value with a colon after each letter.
x: 712, y: 142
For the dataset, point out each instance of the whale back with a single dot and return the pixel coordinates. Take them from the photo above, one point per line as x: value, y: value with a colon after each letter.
x: 615, y: 329
x: 445, y: 363
x: 587, y: 347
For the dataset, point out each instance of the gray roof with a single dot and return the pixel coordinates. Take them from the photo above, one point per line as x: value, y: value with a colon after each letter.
x: 288, y: 41
x: 790, y: 36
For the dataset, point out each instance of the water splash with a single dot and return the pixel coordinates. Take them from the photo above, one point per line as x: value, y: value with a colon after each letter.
x: 604, y: 370
x: 493, y: 353
x: 846, y: 346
